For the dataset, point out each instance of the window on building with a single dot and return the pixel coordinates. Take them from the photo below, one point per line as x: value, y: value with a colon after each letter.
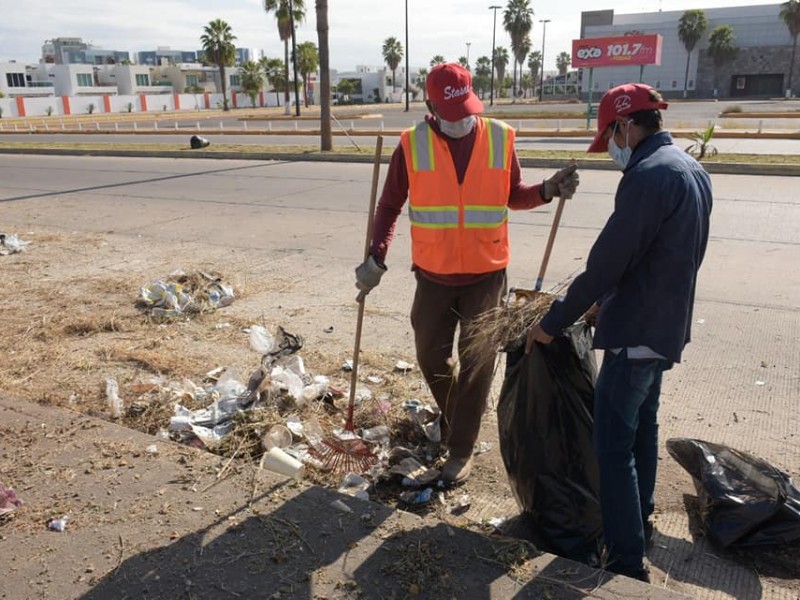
x: 674, y: 84
x: 191, y: 80
x: 235, y: 81
x: 85, y: 80
x: 741, y: 83
x: 15, y: 79
x: 658, y: 84
x: 691, y: 84
x: 142, y: 79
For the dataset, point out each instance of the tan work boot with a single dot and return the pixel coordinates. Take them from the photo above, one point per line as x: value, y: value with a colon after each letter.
x: 456, y: 470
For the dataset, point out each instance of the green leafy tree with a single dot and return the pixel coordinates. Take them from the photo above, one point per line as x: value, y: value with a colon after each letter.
x: 438, y: 60
x: 721, y: 48
x: 518, y: 22
x: 526, y: 82
x: 252, y: 75
x: 326, y: 134
x: 274, y: 68
x: 563, y: 61
x: 500, y: 64
x: 307, y: 63
x: 790, y: 15
x: 701, y: 146
x: 284, y: 19
x: 392, y: 53
x: 422, y: 78
x: 344, y: 88
x: 218, y: 49
x: 691, y: 28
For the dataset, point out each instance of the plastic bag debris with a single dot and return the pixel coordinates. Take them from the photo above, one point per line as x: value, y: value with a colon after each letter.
x: 112, y: 397
x: 347, y: 366
x: 421, y: 497
x: 744, y: 500
x: 181, y: 294
x: 196, y: 142
x: 8, y: 500
x: 277, y: 437
x: 482, y: 448
x: 416, y: 473
x: 427, y: 417
x: 545, y: 426
x: 151, y: 449
x: 341, y: 506
x: 378, y: 434
x: 403, y: 366
x: 59, y: 525
x: 461, y: 504
x: 355, y: 485
x: 261, y: 340
x: 295, y: 425
x: 11, y: 244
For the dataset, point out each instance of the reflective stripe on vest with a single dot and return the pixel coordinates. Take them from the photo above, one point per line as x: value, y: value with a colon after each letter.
x: 484, y: 217
x: 434, y: 217
x: 422, y: 148
x: 498, y: 144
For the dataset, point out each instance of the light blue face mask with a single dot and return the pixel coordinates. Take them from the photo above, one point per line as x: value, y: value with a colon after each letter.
x: 457, y: 129
x: 620, y: 156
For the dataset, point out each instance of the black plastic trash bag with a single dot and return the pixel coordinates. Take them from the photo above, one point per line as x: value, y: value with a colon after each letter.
x: 744, y: 501
x: 198, y: 142
x: 545, y: 422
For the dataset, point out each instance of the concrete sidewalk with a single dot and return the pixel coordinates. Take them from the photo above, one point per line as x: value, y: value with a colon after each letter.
x: 185, y: 523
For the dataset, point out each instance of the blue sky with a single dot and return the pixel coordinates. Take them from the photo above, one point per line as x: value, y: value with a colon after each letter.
x: 358, y: 27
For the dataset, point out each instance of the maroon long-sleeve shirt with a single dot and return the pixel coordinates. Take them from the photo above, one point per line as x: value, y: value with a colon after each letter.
x: 395, y: 194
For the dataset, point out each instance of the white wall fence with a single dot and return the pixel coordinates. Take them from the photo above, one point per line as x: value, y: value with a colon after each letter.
x: 58, y: 106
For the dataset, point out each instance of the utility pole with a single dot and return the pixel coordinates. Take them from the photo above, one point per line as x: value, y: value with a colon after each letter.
x: 544, y: 23
x: 468, y: 45
x: 495, y: 8
x: 294, y: 60
x: 407, y: 74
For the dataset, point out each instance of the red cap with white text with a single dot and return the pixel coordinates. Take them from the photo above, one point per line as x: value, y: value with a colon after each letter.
x: 621, y: 101
x: 449, y: 88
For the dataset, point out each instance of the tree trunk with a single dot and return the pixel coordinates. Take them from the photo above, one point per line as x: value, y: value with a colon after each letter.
x: 286, y: 103
x: 686, y: 77
x: 305, y: 90
x: 224, y: 86
x: 791, y: 65
x: 514, y: 89
x: 394, y: 87
x: 326, y: 136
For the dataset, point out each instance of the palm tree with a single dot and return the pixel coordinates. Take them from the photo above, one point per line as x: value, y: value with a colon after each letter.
x: 692, y: 26
x: 535, y: 65
x: 521, y: 53
x: 218, y: 48
x: 721, y: 48
x: 563, y: 62
x: 500, y: 64
x: 518, y: 22
x: 462, y: 60
x: 392, y: 54
x: 326, y: 135
x: 307, y: 63
x: 438, y: 60
x: 252, y: 79
x: 483, y: 69
x: 281, y: 10
x: 790, y: 14
x: 274, y: 70
x: 422, y: 78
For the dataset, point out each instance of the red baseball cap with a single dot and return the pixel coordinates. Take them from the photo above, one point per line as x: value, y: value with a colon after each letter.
x: 449, y: 89
x: 621, y: 101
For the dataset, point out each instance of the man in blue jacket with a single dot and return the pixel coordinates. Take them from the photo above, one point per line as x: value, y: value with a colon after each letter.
x: 640, y: 280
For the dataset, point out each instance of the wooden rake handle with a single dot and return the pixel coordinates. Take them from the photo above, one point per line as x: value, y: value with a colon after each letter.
x: 376, y: 171
x: 550, y: 240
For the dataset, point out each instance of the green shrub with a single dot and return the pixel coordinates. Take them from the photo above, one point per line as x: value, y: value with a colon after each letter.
x: 732, y: 109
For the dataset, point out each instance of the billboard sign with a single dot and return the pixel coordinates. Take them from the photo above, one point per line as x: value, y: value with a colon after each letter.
x: 619, y: 51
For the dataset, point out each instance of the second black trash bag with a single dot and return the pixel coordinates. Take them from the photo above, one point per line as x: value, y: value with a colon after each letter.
x: 545, y: 423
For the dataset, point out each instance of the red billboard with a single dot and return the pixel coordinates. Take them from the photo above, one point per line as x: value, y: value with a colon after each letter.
x: 617, y: 51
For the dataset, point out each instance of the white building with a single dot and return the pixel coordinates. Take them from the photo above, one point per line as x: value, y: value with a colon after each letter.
x: 74, y: 80
x: 16, y: 80
x: 131, y: 79
x: 760, y: 68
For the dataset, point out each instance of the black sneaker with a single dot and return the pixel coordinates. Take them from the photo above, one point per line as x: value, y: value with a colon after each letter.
x: 642, y: 574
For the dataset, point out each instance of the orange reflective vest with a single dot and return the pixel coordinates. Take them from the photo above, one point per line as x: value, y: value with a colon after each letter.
x: 459, y: 229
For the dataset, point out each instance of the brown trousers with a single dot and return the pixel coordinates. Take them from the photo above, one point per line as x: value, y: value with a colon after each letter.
x: 462, y: 398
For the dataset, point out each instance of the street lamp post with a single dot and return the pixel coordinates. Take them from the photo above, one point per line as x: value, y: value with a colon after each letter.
x: 495, y: 8
x: 294, y: 60
x: 407, y: 74
x: 544, y: 23
x: 468, y: 45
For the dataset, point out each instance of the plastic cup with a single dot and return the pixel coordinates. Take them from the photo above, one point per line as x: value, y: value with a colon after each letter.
x: 277, y: 437
x: 277, y: 461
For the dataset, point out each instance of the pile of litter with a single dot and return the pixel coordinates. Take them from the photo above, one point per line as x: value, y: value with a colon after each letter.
x: 11, y: 244
x: 279, y: 417
x: 8, y: 500
x: 181, y: 294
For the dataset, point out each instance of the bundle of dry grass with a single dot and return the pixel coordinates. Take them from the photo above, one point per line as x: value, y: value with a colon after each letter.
x: 504, y: 327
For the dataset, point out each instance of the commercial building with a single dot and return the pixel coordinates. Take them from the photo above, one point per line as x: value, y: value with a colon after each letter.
x: 164, y: 55
x: 69, y: 50
x: 759, y: 69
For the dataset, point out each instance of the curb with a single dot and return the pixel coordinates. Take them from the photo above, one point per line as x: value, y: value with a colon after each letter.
x: 775, y: 170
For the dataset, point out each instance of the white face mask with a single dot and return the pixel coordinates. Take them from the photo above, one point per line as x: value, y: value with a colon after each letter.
x: 457, y: 129
x: 620, y: 156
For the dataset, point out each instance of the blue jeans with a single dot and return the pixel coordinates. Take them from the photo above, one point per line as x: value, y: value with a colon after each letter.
x: 626, y: 442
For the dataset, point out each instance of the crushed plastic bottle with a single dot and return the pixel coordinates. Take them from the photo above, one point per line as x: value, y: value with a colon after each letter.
x: 59, y: 525
x: 422, y: 497
x: 113, y: 399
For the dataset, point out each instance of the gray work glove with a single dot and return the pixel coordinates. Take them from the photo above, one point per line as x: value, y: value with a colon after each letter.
x: 368, y: 275
x: 563, y: 184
